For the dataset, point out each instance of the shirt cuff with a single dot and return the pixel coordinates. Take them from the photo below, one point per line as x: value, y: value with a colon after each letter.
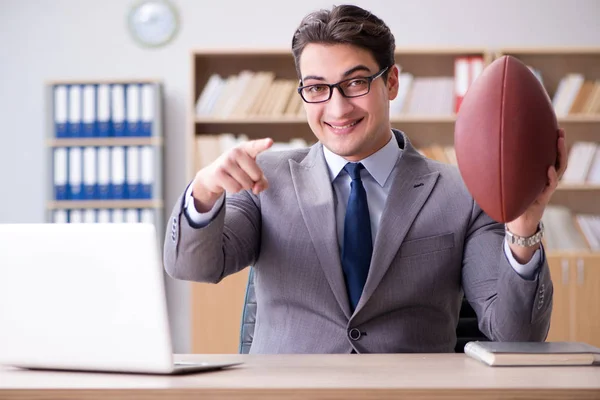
x: 198, y: 219
x: 526, y: 271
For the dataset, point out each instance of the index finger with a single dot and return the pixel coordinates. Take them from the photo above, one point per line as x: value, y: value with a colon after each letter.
x: 255, y: 147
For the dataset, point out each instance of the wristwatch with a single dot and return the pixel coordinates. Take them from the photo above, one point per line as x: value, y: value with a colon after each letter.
x: 525, y: 241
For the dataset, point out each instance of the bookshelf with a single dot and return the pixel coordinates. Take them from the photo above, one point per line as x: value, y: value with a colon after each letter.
x: 575, y: 270
x: 216, y: 309
x: 104, y: 148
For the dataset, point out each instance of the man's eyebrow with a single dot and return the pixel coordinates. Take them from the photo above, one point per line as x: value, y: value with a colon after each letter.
x: 345, y: 74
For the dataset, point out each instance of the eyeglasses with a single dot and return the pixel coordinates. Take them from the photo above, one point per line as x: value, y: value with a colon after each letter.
x: 349, y: 88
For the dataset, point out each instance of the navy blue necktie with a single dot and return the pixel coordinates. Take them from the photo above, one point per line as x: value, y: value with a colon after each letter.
x: 358, y: 247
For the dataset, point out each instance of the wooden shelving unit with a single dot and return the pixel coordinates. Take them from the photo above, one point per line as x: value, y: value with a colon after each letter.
x: 154, y: 141
x: 216, y: 309
x: 575, y: 274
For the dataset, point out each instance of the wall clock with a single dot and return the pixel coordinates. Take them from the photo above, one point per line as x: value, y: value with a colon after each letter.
x: 153, y: 23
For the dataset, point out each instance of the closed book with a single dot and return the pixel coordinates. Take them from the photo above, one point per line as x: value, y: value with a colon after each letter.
x: 533, y: 353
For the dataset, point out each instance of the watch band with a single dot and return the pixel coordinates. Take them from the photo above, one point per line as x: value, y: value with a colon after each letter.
x: 524, y: 241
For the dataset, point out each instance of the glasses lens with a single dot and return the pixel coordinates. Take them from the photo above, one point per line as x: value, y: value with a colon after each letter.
x: 315, y: 93
x: 355, y: 87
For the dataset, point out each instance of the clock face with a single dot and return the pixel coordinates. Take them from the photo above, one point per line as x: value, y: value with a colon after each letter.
x: 153, y: 23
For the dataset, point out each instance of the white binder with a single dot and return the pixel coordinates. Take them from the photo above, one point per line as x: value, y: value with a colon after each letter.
x: 75, y: 106
x: 117, y: 173
x: 60, y: 111
x: 75, y: 172
x: 60, y: 166
x: 89, y: 111
x: 133, y: 172
x: 90, y: 178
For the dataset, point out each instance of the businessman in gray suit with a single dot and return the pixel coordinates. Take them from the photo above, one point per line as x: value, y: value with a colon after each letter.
x: 359, y: 243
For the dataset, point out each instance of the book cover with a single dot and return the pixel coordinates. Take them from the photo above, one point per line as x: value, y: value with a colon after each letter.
x: 533, y: 353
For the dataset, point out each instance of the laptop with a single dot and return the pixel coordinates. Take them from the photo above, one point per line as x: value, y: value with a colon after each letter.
x: 86, y: 297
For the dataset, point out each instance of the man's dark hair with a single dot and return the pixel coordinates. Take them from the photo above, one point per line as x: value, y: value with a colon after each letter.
x: 345, y: 24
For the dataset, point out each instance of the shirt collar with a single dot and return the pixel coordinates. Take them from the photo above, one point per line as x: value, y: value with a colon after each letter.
x: 379, y: 164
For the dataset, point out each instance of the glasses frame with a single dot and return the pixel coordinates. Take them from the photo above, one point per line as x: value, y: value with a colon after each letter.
x: 337, y: 85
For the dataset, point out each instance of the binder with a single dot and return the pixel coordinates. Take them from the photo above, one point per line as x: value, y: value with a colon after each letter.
x: 75, y: 216
x: 132, y: 161
x: 89, y: 111
x: 133, y: 123
x: 118, y: 110
x: 61, y: 175
x: 132, y: 216
x: 75, y: 108
x: 103, y: 216
x: 60, y: 217
x: 118, y: 216
x: 89, y: 216
x: 147, y: 109
x: 104, y: 123
x: 103, y: 158
x: 117, y: 173
x: 90, y: 177
x: 147, y: 172
x: 75, y: 185
x: 60, y: 111
x: 461, y: 80
x: 476, y: 64
x: 147, y: 216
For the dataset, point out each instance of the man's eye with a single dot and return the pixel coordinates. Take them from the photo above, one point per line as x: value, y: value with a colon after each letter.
x: 316, y: 89
x: 357, y: 82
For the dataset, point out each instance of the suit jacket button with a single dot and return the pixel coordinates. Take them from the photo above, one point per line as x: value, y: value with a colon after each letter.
x: 354, y: 334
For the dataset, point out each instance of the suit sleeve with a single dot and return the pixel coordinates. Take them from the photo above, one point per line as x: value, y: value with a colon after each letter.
x: 227, y: 244
x: 509, y: 307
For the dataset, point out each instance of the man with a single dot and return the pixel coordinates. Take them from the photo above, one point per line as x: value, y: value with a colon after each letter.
x: 359, y: 243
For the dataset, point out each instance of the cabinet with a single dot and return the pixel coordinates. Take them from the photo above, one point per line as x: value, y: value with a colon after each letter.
x: 576, y: 311
x: 104, y: 151
x: 216, y: 309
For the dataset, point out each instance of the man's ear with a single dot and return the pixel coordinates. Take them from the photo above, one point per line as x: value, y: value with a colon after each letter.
x: 392, y: 81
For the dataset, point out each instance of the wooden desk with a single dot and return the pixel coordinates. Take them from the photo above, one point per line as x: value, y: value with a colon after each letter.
x: 351, y: 376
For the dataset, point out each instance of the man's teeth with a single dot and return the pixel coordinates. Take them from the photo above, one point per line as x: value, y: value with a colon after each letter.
x: 345, y: 126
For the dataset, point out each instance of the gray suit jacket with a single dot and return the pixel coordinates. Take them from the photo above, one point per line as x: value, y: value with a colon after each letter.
x: 433, y: 243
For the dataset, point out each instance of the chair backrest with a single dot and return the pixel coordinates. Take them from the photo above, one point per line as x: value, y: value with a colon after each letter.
x: 248, y: 315
x: 467, y: 329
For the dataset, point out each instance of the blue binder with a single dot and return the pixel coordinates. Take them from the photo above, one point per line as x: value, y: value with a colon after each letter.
x: 133, y: 123
x: 61, y: 173
x: 103, y: 104
x: 147, y: 109
x: 90, y: 176
x: 89, y: 111
x: 117, y: 173
x: 103, y: 158
x: 75, y: 187
x: 118, y: 110
x: 60, y: 111
x: 75, y: 101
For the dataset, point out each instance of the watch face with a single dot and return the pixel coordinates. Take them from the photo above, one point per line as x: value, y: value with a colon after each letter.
x: 153, y: 22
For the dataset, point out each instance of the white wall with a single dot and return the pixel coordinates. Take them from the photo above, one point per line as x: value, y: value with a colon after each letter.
x: 87, y: 39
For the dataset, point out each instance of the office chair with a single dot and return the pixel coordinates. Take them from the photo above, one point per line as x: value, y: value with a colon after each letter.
x: 467, y: 329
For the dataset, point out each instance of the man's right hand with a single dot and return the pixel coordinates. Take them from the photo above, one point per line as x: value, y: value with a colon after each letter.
x: 233, y: 171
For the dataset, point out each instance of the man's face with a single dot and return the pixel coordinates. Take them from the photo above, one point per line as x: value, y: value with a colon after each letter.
x: 353, y: 128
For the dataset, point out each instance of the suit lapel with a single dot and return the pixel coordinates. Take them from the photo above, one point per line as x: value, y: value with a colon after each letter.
x: 315, y: 197
x: 410, y: 189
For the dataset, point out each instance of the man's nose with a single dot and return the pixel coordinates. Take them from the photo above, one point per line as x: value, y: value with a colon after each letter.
x: 338, y: 105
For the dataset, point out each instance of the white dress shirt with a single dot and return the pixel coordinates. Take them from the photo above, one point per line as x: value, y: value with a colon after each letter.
x: 376, y: 180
